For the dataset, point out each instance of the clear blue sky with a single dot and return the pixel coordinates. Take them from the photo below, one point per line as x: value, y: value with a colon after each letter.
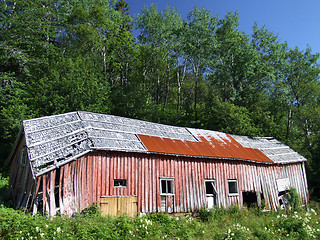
x: 295, y: 21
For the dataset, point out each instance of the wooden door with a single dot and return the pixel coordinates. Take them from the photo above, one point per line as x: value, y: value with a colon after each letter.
x: 167, y: 203
x: 211, y: 193
x: 116, y: 205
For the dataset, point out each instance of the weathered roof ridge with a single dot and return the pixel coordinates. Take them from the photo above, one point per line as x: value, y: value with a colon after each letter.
x: 56, y: 140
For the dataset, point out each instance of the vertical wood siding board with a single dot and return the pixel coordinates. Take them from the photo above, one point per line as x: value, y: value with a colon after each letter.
x: 30, y: 188
x: 154, y: 185
x: 222, y: 185
x: 48, y: 210
x: 66, y: 189
x: 257, y: 184
x: 217, y: 176
x: 91, y: 172
x: 129, y: 176
x: 146, y: 183
x: 52, y: 195
x: 250, y: 177
x: 126, y: 174
x: 143, y: 185
x: 108, y: 172
x: 204, y: 174
x: 178, y: 184
x: 200, y: 184
x: 150, y: 182
x: 300, y: 182
x: 186, y: 179
x: 103, y: 174
x: 138, y: 181
x: 305, y: 181
x: 61, y: 189
x: 85, y: 181
x: 111, y: 173
x: 272, y: 186
x: 44, y: 197
x: 195, y: 184
x: 238, y: 174
x: 225, y: 177
x: 184, y: 184
x: 190, y: 186
x: 78, y: 183
x: 263, y: 189
x: 35, y: 194
x: 225, y: 187
x: 99, y: 183
x: 134, y: 177
x: 157, y: 179
x: 299, y: 179
x: 71, y: 188
x: 26, y: 186
x: 181, y: 186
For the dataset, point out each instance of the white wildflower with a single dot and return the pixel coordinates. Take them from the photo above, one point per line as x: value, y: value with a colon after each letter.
x: 58, y: 229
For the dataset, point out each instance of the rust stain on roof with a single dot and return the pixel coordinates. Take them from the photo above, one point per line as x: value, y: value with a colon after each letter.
x: 208, y: 146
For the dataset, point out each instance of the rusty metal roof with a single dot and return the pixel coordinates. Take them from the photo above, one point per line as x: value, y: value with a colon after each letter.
x: 207, y: 146
x: 55, y: 140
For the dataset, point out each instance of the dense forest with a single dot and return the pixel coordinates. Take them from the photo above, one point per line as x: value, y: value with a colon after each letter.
x: 58, y: 56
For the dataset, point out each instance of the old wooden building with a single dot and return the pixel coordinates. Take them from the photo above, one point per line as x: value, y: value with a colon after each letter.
x: 67, y: 162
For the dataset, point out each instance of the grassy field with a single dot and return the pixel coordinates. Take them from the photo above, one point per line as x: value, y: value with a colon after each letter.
x: 231, y: 223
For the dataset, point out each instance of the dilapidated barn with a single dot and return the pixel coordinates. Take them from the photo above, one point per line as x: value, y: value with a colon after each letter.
x: 67, y: 162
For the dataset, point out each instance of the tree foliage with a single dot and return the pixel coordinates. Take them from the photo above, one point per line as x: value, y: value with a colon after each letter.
x: 58, y: 56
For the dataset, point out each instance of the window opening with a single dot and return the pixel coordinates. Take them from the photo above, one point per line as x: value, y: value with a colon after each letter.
x: 120, y: 183
x: 166, y: 186
x: 233, y: 187
x: 210, y: 187
x: 249, y: 199
x: 23, y: 157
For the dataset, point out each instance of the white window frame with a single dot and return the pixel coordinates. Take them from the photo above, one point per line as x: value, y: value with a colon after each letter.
x: 237, y: 185
x: 172, y: 186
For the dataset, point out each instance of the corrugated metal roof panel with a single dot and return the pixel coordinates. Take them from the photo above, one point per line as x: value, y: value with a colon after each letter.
x: 211, y: 144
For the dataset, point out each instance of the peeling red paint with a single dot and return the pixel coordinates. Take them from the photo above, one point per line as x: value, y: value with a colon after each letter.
x: 208, y: 146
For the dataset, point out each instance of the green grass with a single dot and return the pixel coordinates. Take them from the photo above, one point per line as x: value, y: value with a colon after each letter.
x: 231, y: 223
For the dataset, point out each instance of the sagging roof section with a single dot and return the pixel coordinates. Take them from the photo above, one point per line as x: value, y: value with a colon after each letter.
x: 55, y: 140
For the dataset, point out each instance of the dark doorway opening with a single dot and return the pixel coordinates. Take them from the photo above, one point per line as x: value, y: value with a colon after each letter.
x: 249, y: 199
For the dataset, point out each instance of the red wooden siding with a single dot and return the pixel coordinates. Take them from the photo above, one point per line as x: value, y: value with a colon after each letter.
x: 85, y: 180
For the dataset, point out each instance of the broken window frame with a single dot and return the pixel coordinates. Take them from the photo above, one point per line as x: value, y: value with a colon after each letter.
x: 169, y: 183
x: 233, y: 193
x: 213, y: 182
x: 119, y: 183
